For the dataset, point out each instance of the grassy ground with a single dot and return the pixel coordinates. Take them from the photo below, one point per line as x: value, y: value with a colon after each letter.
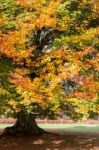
x: 66, y: 139
x: 83, y: 128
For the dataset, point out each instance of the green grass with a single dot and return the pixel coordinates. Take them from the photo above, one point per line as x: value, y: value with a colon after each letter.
x: 66, y: 127
x: 72, y: 127
x: 2, y: 126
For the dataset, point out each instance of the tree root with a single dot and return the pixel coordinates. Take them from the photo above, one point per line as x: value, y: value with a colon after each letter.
x: 16, y: 132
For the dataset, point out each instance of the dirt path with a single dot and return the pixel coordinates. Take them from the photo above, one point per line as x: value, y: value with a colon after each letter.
x: 67, y: 141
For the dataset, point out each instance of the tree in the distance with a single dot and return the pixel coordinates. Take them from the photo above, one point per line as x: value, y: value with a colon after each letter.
x: 49, y: 61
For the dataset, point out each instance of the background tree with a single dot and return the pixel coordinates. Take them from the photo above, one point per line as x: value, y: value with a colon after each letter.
x: 49, y: 61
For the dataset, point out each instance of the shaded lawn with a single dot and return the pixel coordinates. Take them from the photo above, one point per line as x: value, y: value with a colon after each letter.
x: 75, y: 127
x: 50, y: 142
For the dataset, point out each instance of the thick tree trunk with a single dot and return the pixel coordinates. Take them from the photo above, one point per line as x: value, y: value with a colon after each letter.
x: 25, y: 125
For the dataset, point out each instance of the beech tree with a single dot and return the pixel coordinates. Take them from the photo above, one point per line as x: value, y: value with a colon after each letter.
x: 49, y: 61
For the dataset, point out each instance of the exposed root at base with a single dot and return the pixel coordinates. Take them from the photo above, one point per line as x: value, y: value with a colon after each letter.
x: 13, y: 131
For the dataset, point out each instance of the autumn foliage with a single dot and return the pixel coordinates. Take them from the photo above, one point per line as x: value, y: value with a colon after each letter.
x: 49, y: 57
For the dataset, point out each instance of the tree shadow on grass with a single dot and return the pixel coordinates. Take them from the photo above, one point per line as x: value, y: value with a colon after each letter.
x: 50, y: 142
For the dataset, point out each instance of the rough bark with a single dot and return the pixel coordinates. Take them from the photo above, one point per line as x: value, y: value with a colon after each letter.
x: 25, y: 125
